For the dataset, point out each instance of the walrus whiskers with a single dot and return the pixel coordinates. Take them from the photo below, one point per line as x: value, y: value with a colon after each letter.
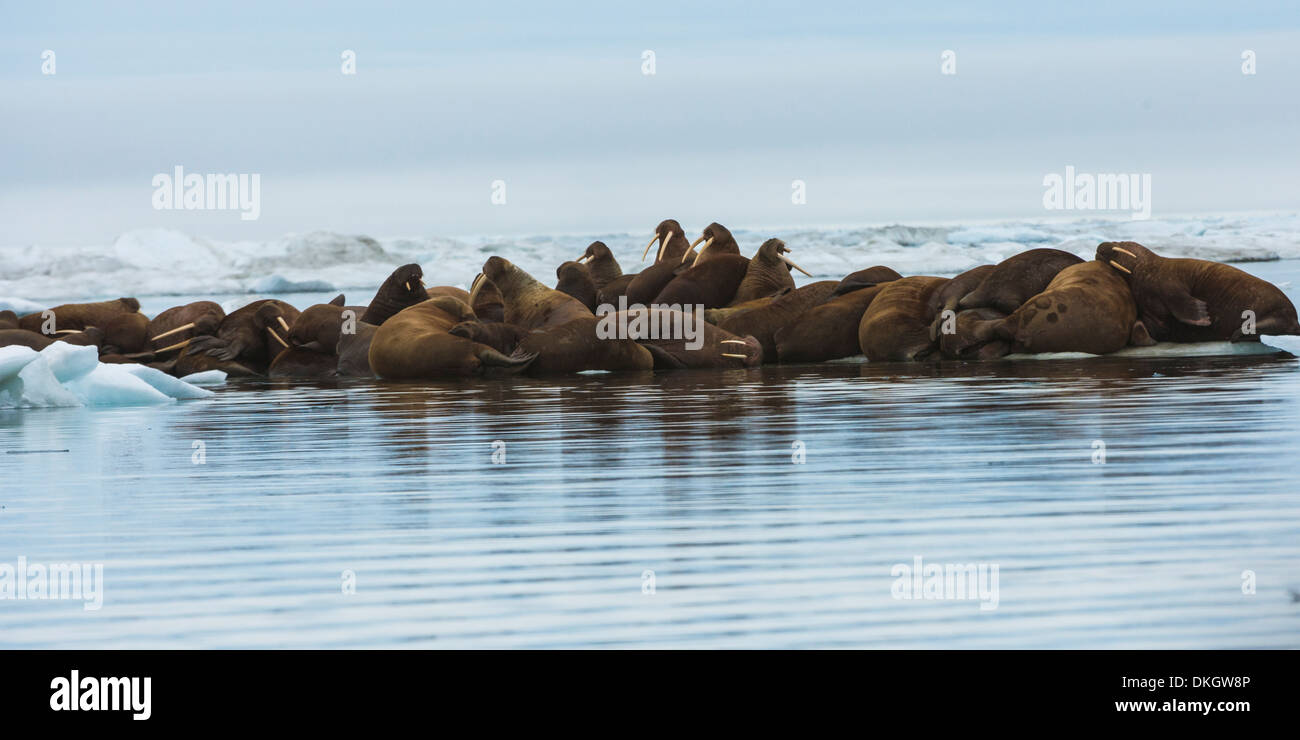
x: 1120, y: 267
x: 174, y: 331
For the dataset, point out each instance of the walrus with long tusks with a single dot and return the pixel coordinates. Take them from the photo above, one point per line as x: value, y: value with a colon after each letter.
x: 601, y: 264
x: 1086, y: 308
x: 574, y: 279
x: 485, y: 299
x: 78, y: 316
x: 251, y: 336
x: 768, y: 272
x: 896, y: 326
x: 417, y: 343
x: 829, y: 330
x: 1014, y: 280
x: 403, y: 288
x: 664, y: 332
x: 948, y: 298
x: 171, y: 330
x: 1190, y: 300
x: 764, y: 323
x: 673, y: 247
x: 562, y: 332
x: 712, y: 277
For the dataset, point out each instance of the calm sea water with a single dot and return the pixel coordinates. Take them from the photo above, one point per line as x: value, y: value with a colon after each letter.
x: 687, y: 481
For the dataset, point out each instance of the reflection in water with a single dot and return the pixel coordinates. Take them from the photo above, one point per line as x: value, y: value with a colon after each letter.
x: 689, y: 474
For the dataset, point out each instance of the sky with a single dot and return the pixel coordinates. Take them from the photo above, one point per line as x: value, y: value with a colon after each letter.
x: 552, y: 100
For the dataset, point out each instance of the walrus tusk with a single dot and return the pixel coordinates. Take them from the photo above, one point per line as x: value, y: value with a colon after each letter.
x: 697, y: 256
x: 728, y: 354
x: 174, y: 331
x: 647, y: 247
x: 583, y: 259
x: 663, y: 246
x: 1125, y: 251
x: 178, y: 345
x: 697, y: 241
x: 69, y: 331
x: 791, y: 263
x: 281, y: 320
x: 422, y: 285
x: 277, y: 337
x: 407, y: 284
x: 1118, y: 266
x: 733, y: 341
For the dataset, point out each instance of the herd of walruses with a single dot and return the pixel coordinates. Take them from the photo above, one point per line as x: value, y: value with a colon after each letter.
x: 745, y: 311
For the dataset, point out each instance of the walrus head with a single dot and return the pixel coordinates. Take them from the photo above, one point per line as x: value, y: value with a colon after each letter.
x: 672, y: 241
x: 747, y: 349
x: 717, y: 240
x: 601, y: 264
x: 269, y: 320
x: 509, y: 279
x: 402, y: 289
x: 1123, y: 256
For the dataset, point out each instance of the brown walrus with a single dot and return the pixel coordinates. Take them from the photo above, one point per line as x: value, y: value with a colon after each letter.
x: 717, y: 242
x: 1190, y: 300
x: 574, y: 279
x: 173, y: 328
x: 485, y: 299
x: 416, y: 343
x: 673, y: 248
x: 24, y: 338
x: 711, y: 284
x: 867, y: 278
x: 402, y: 289
x: 353, y: 351
x: 562, y: 332
x: 1012, y: 281
x: 459, y: 294
x: 251, y: 336
x: 1086, y: 308
x: 682, y: 339
x: 126, y: 334
x: 601, y: 265
x: 828, y: 331
x: 764, y: 323
x: 498, y: 335
x: 318, y: 327
x: 768, y: 272
x: 716, y: 316
x: 896, y: 326
x: 78, y: 316
x: 8, y: 320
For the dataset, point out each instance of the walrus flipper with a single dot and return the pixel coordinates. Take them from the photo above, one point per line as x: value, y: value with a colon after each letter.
x: 664, y: 360
x: 1188, y: 309
x: 515, y: 361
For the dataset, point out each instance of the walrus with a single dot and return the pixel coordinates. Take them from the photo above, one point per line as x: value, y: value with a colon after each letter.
x: 828, y: 331
x: 562, y: 332
x: 459, y: 294
x: 126, y: 334
x: 415, y: 343
x: 300, y: 362
x: 1014, y: 280
x: 318, y: 327
x: 601, y: 264
x: 78, y: 316
x: 763, y: 323
x: 867, y: 278
x: 485, y: 299
x: 949, y: 296
x: 711, y: 284
x: 172, y: 329
x: 8, y: 320
x: 1086, y: 308
x: 353, y: 351
x: 402, y: 289
x: 663, y: 331
x: 715, y: 241
x: 574, y: 279
x: 673, y: 247
x: 896, y: 326
x: 768, y: 272
x: 24, y: 338
x: 1190, y: 300
x: 252, y: 335
x: 961, y: 343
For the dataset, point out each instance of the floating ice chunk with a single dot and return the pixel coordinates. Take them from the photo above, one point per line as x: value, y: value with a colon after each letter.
x: 1166, y: 349
x: 34, y: 384
x: 207, y: 377
x: 13, y: 359
x: 70, y: 361
x: 280, y: 284
x: 113, y: 385
x: 166, y: 384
